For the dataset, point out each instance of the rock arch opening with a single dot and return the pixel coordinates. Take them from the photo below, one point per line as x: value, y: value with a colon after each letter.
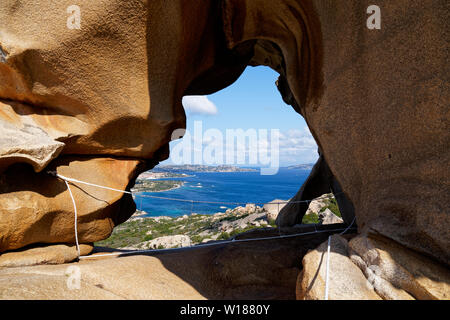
x: 238, y: 212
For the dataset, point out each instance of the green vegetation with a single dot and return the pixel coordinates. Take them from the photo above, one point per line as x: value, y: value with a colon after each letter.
x: 223, y: 236
x: 156, y: 185
x: 235, y: 232
x: 272, y: 223
x: 333, y: 206
x: 310, y: 219
x: 136, y: 231
x: 198, y: 227
x: 330, y: 204
x: 234, y: 218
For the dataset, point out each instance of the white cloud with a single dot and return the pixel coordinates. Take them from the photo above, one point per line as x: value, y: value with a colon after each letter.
x: 199, y: 105
x: 296, y: 146
x: 297, y: 138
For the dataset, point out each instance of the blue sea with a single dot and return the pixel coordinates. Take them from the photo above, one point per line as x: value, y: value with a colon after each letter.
x: 231, y: 189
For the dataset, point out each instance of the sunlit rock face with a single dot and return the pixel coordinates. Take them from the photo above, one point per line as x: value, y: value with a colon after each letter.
x: 76, y: 101
x: 381, y: 121
x: 376, y: 105
x: 36, y: 207
x: 98, y: 103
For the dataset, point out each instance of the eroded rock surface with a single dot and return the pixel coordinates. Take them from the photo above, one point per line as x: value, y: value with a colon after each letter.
x: 377, y: 107
x: 37, y: 208
x: 397, y: 272
x: 111, y: 93
x: 346, y: 280
x: 371, y: 268
x: 90, y: 103
x: 328, y: 217
x: 48, y: 254
x: 29, y: 144
x: 249, y: 270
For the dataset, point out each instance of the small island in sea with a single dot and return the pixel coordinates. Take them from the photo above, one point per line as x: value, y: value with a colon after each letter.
x: 148, y: 185
x: 167, y: 177
x: 307, y: 166
x: 203, y: 168
x: 161, y: 175
x: 160, y: 178
x: 155, y: 181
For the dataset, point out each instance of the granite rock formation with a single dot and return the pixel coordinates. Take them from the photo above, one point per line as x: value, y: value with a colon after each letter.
x: 251, y: 270
x: 100, y: 103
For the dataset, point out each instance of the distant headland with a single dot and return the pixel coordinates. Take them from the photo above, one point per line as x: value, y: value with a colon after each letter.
x: 307, y: 166
x: 203, y: 168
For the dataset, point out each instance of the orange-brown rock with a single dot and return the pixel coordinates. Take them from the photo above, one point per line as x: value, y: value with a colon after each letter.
x: 371, y: 268
x: 249, y: 270
x: 37, y: 208
x: 92, y: 103
x: 346, y: 280
x: 376, y: 106
x: 397, y: 272
x: 48, y: 254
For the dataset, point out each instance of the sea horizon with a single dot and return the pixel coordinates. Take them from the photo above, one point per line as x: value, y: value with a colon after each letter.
x: 212, y: 192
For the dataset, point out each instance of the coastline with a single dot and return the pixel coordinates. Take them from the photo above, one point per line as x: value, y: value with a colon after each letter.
x: 163, y: 231
x: 169, y: 189
x: 221, y: 188
x: 179, y: 184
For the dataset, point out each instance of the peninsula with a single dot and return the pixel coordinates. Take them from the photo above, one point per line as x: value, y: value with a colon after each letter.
x: 203, y: 168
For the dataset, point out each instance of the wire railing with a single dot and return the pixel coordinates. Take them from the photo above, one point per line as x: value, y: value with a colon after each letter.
x: 230, y: 203
x: 69, y: 181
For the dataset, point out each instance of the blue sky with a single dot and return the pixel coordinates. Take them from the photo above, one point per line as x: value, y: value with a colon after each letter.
x: 252, y: 102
